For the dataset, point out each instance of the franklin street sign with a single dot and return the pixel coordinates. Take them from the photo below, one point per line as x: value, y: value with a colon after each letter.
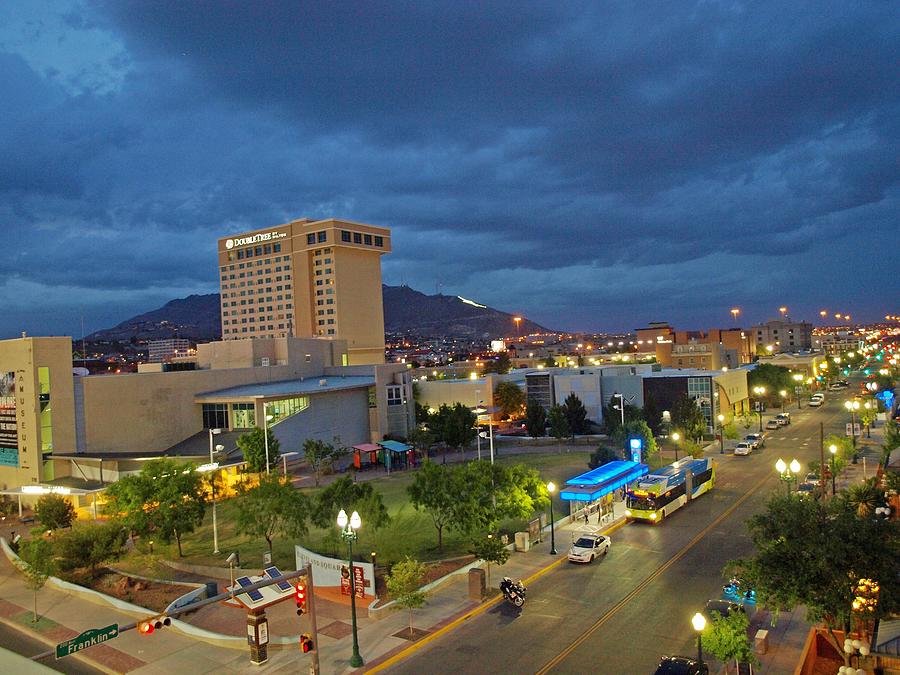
x: 88, y: 638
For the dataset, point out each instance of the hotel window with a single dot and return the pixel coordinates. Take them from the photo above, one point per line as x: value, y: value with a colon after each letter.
x: 319, y: 292
x: 330, y: 311
x: 330, y: 322
x: 248, y: 253
x: 215, y: 415
x: 318, y: 302
x: 321, y: 322
x: 321, y: 236
x: 311, y: 239
x: 357, y: 238
x: 318, y: 274
x: 329, y: 301
x: 379, y: 241
x: 326, y: 250
x: 368, y: 239
x: 331, y: 331
x: 327, y: 270
x: 276, y: 248
x: 267, y: 248
x: 240, y: 254
x: 318, y: 282
x: 258, y: 250
x: 327, y: 261
x: 394, y: 394
x: 345, y: 236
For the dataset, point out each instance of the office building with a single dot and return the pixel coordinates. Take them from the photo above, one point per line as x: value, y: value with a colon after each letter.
x: 782, y: 335
x: 306, y: 278
x: 163, y: 351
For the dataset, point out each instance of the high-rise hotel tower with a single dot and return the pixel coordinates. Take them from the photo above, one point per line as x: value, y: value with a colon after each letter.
x: 306, y: 278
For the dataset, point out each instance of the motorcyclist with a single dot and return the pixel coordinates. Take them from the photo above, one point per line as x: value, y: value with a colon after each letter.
x: 514, y: 591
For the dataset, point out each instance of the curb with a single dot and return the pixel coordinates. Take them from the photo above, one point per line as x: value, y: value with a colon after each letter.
x: 389, y: 659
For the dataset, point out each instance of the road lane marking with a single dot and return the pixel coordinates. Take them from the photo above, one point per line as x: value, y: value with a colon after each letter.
x: 650, y: 579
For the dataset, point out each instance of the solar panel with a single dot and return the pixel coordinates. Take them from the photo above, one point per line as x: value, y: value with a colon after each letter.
x: 255, y: 595
x: 273, y: 573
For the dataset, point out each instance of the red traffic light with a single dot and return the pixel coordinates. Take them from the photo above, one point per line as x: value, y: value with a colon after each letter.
x: 306, y: 643
x: 149, y: 625
x: 300, y: 595
x: 145, y: 627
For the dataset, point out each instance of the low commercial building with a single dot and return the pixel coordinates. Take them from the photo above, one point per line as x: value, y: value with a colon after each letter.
x: 782, y: 335
x: 60, y: 429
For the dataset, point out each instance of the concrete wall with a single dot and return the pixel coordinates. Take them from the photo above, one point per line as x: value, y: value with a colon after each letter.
x: 340, y: 413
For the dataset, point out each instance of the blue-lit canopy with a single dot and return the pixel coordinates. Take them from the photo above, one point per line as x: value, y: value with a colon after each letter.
x: 602, y: 481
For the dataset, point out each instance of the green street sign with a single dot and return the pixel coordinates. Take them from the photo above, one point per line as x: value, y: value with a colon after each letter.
x: 88, y: 638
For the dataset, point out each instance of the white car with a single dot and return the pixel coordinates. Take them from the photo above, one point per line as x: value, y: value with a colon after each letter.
x: 588, y: 547
x: 743, y: 448
x: 814, y: 402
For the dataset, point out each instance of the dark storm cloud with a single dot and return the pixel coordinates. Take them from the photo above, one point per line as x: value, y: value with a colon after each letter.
x: 592, y: 165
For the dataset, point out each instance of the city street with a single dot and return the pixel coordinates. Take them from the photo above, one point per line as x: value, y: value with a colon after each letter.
x: 620, y: 614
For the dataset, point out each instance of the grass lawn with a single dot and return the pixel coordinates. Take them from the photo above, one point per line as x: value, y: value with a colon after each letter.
x: 410, y: 532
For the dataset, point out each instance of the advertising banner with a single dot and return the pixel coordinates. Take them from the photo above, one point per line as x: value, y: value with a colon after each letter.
x: 9, y: 430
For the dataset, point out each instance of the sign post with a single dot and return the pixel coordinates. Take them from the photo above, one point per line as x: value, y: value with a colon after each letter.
x: 88, y: 638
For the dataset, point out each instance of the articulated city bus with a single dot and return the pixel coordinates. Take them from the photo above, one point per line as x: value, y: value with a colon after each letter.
x: 658, y: 494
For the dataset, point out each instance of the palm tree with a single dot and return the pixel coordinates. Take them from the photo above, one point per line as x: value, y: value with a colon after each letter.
x: 864, y: 497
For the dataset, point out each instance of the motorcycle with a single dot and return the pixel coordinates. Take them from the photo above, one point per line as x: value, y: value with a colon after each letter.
x: 513, y: 591
x: 735, y: 590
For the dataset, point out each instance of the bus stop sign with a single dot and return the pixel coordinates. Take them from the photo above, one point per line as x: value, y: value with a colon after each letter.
x: 636, y: 445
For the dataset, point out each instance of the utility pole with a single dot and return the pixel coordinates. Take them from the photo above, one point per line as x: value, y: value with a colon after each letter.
x: 822, y: 458
x: 311, y: 601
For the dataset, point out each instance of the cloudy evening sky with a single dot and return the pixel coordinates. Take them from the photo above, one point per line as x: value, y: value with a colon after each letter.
x: 591, y: 165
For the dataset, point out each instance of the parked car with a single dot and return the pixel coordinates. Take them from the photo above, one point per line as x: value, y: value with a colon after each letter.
x: 785, y: 415
x: 811, y: 477
x: 588, y: 547
x: 814, y: 402
x: 756, y: 440
x: 834, y: 387
x: 723, y: 607
x: 819, y: 395
x: 772, y: 424
x: 743, y: 448
x: 807, y: 489
x: 681, y: 665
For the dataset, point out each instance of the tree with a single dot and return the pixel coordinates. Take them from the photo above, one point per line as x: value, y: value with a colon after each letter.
x: 404, y: 583
x: 510, y: 398
x: 54, y: 512
x: 891, y: 440
x: 549, y: 362
x: 652, y: 414
x: 253, y: 445
x: 487, y: 493
x: 535, y: 420
x: 490, y: 549
x: 273, y: 507
x: 602, y: 455
x: 350, y: 496
x: 318, y: 454
x: 637, y: 429
x: 813, y: 553
x: 455, y: 425
x: 730, y: 431
x: 435, y: 490
x: 559, y: 425
x: 773, y: 378
x: 421, y: 439
x: 167, y: 498
x: 90, y: 546
x: 612, y: 414
x: 37, y: 554
x: 422, y: 414
x: 576, y: 415
x: 687, y: 416
x: 864, y: 497
x: 726, y: 638
x: 499, y: 365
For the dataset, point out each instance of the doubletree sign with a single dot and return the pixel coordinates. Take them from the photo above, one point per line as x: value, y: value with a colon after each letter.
x: 88, y: 638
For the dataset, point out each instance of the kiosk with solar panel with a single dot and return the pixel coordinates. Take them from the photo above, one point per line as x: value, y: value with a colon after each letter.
x: 255, y: 601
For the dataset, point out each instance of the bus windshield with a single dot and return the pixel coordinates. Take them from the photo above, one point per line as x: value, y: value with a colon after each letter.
x: 647, y: 503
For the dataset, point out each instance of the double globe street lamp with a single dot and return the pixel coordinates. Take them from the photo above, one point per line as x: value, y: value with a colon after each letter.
x: 760, y: 392
x: 787, y: 472
x: 852, y: 407
x: 348, y: 532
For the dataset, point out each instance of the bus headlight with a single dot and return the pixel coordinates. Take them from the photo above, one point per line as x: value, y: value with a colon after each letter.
x: 627, y: 513
x: 652, y: 516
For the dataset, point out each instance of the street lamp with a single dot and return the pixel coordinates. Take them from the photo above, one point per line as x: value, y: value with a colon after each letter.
x: 721, y: 419
x: 266, y: 420
x: 787, y: 472
x: 783, y: 395
x: 212, y: 463
x: 759, y: 391
x: 798, y: 378
x: 833, y: 450
x: 852, y: 407
x: 734, y: 313
x: 551, y: 488
x: 348, y: 532
x: 699, y: 623
x: 676, y: 437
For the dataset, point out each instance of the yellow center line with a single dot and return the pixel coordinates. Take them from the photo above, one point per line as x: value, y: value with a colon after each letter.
x: 646, y: 582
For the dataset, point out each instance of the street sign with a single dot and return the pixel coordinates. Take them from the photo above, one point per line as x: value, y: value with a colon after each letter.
x: 88, y: 638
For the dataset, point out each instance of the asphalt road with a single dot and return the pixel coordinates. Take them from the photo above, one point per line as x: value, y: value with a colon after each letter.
x: 619, y: 614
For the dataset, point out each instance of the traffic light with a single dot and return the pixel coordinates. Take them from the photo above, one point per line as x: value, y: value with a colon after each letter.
x: 306, y: 643
x: 300, y: 594
x: 147, y: 626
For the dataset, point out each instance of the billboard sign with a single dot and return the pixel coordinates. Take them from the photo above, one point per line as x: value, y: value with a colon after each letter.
x: 9, y: 428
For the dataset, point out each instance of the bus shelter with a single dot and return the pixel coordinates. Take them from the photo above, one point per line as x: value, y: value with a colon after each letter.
x: 397, y: 455
x: 594, y: 490
x: 365, y: 455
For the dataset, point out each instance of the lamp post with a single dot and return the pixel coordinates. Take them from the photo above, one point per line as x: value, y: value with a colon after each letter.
x: 621, y: 398
x: 266, y: 420
x: 798, y: 378
x: 676, y: 437
x: 699, y: 623
x: 218, y: 448
x: 759, y: 391
x: 787, y: 472
x: 833, y: 450
x: 721, y: 419
x: 551, y: 488
x: 783, y: 395
x: 348, y: 532
x: 852, y: 407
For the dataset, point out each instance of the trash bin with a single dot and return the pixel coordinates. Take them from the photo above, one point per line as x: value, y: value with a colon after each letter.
x: 761, y: 642
x: 523, y: 542
x: 476, y: 583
